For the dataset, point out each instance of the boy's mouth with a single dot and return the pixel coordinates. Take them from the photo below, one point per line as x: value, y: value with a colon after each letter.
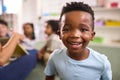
x: 75, y: 45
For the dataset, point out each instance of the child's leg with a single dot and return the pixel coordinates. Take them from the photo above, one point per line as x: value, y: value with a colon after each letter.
x: 46, y: 57
x: 33, y: 51
x: 19, y: 69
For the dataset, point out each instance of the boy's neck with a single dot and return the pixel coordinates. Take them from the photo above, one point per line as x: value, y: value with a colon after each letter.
x: 79, y: 56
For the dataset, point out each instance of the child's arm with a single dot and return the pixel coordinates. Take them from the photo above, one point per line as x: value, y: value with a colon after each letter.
x: 50, y: 78
x: 7, y: 50
x: 41, y: 52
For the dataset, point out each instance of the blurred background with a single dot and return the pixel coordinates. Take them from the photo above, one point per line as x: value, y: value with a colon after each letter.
x: 18, y: 12
x: 107, y: 22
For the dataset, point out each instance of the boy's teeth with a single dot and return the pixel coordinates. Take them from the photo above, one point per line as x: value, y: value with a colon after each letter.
x: 74, y: 43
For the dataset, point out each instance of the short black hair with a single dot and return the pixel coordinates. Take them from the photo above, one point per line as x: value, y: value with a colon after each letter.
x: 3, y: 22
x: 54, y: 25
x: 78, y: 6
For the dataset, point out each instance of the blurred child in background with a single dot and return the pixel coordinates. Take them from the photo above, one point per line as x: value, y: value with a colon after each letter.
x: 53, y: 41
x: 19, y: 68
x: 28, y: 29
x: 30, y: 39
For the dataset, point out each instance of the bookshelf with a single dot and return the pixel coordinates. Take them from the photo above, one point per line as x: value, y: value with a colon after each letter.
x: 110, y: 34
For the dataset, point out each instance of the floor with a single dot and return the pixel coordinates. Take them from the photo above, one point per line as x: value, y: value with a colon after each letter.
x: 38, y: 73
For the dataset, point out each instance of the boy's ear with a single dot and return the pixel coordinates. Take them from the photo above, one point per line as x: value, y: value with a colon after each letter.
x: 93, y: 35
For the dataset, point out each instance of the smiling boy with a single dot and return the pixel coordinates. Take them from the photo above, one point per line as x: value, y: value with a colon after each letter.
x: 77, y: 62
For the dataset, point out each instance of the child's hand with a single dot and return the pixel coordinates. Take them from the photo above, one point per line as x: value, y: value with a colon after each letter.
x: 21, y: 37
x: 40, y: 55
x: 18, y: 36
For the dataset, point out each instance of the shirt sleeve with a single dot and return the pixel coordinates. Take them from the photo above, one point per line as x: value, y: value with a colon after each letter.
x: 50, y: 67
x: 107, y: 73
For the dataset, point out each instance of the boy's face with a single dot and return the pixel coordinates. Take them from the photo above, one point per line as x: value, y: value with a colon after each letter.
x: 76, y: 30
x: 3, y: 30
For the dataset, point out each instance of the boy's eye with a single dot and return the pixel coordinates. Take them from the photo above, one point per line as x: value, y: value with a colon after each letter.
x: 83, y: 30
x: 66, y: 29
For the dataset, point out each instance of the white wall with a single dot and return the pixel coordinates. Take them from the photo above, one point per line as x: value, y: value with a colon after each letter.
x: 29, y: 10
x: 14, y: 6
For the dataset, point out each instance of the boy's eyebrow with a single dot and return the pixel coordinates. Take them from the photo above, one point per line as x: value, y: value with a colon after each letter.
x: 88, y: 26
x: 83, y: 24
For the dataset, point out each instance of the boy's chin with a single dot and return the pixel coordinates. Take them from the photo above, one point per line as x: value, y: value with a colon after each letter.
x: 78, y: 51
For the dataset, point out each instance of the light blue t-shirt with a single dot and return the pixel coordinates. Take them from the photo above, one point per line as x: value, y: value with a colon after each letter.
x: 95, y: 67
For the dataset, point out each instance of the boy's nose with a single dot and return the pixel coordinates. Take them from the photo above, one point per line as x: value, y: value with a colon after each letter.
x: 75, y: 34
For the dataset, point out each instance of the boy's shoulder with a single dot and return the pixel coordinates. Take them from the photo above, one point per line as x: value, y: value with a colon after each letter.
x: 59, y: 52
x: 98, y: 56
